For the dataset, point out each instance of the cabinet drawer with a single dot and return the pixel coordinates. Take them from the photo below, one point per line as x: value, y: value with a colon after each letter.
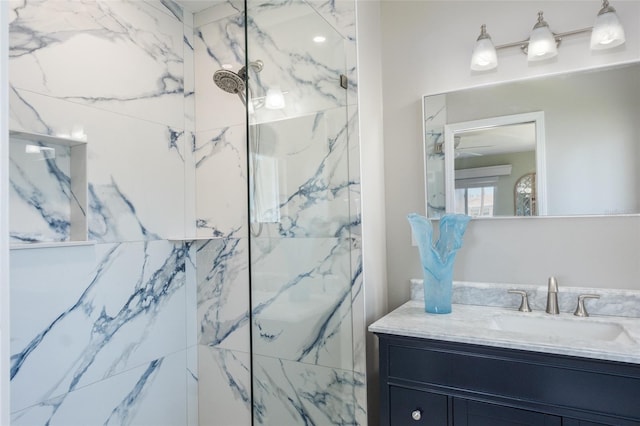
x: 431, y: 408
x: 473, y: 413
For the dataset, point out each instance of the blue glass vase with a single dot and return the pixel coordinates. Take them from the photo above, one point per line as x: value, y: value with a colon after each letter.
x: 437, y: 259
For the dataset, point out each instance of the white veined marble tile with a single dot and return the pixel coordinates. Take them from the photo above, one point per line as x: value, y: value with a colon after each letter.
x: 113, y: 307
x: 221, y: 182
x: 40, y: 194
x: 312, y: 176
x: 189, y: 125
x: 135, y: 170
x: 223, y: 293
x: 171, y: 8
x: 191, y: 293
x: 218, y: 45
x: 122, y: 56
x: 190, y: 185
x: 188, y: 19
x: 192, y: 386
x: 305, y: 71
x: 293, y: 393
x: 355, y: 195
x: 358, y: 309
x: 150, y: 394
x: 224, y: 387
x: 220, y: 10
x: 341, y: 14
x: 189, y: 80
x: 360, y: 393
x: 301, y: 300
x: 351, y: 50
x: 45, y: 281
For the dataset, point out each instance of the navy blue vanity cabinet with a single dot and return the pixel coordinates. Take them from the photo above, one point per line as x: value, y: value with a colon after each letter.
x: 439, y: 383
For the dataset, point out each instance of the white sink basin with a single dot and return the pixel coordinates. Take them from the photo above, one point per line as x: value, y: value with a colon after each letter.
x: 561, y: 327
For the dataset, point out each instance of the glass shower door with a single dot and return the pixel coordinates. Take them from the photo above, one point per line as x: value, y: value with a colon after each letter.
x: 301, y: 245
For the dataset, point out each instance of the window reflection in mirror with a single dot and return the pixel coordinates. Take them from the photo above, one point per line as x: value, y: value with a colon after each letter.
x: 524, y: 195
x: 475, y: 201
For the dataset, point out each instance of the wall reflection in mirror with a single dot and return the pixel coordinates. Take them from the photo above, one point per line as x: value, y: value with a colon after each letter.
x: 560, y: 145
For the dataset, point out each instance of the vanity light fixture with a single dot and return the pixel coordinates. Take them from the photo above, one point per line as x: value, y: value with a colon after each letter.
x: 542, y: 43
x: 607, y: 32
x: 484, y: 54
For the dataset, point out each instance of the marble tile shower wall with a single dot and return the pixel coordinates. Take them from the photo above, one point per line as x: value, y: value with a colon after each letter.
x: 105, y: 334
x: 140, y: 329
x: 307, y: 284
x: 220, y: 157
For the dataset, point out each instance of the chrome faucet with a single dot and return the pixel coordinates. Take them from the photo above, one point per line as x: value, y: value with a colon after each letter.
x: 552, y: 297
x: 580, y: 309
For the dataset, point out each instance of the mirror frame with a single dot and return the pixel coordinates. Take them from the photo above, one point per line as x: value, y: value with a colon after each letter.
x: 450, y: 130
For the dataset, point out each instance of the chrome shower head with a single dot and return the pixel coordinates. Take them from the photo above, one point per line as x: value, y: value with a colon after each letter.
x: 229, y: 81
x: 236, y: 83
x: 232, y: 82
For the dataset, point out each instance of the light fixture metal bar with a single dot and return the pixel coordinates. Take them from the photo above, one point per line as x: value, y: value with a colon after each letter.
x: 522, y: 44
x: 514, y: 44
x: 569, y: 33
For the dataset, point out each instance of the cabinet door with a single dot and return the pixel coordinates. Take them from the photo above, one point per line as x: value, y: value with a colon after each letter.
x: 412, y: 407
x: 574, y: 422
x: 472, y: 413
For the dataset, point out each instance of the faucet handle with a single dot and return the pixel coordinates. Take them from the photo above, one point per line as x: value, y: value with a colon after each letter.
x: 524, y: 304
x: 581, y: 311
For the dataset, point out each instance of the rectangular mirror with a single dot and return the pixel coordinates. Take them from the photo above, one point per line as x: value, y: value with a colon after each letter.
x: 560, y: 145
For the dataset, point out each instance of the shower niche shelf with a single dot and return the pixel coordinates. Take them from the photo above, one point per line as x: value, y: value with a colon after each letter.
x: 48, y: 191
x: 199, y: 238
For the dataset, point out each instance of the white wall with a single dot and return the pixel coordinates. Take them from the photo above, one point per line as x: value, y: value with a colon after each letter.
x: 426, y: 47
x: 372, y: 176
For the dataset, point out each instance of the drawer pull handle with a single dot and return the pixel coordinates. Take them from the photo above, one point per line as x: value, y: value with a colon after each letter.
x: 416, y: 415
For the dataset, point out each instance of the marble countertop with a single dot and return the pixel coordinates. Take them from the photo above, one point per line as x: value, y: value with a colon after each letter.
x: 477, y: 325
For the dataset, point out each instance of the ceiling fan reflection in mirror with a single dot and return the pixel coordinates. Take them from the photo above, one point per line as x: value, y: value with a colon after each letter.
x: 464, y: 151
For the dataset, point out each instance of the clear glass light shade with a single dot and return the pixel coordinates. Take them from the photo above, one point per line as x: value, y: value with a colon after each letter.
x: 542, y: 44
x: 484, y: 56
x: 607, y: 31
x: 274, y: 99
